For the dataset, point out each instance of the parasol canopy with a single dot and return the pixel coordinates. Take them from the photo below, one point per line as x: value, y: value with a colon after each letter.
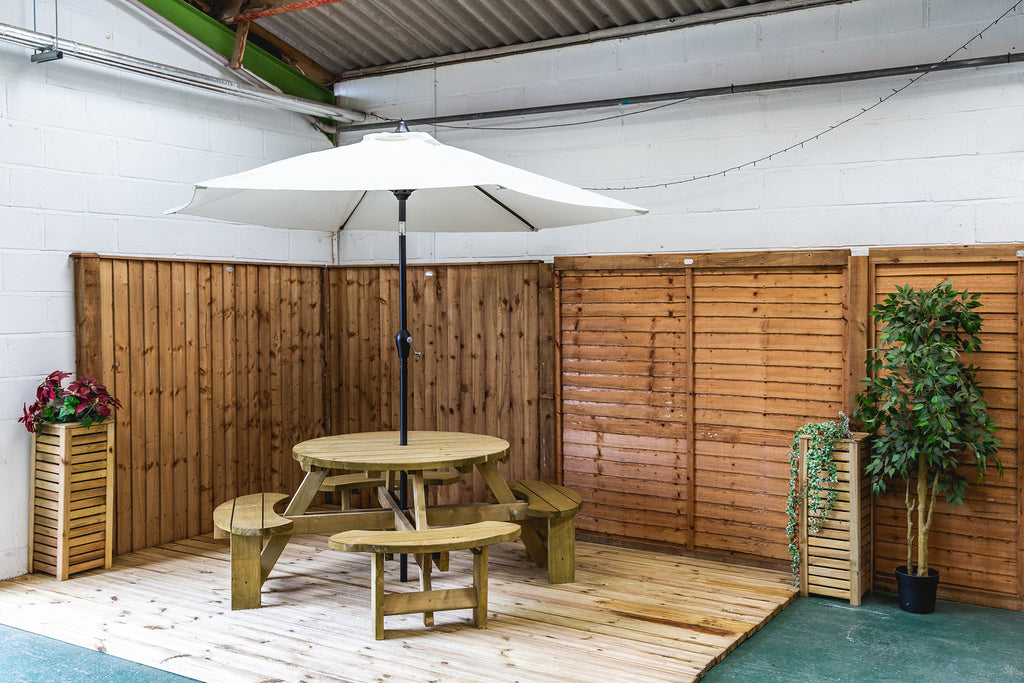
x: 351, y: 188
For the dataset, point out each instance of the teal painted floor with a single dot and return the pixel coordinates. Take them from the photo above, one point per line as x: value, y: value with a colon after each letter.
x: 818, y: 639
x: 814, y: 639
x: 28, y: 658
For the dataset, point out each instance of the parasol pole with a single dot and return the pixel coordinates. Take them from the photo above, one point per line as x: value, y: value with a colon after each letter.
x: 403, y: 340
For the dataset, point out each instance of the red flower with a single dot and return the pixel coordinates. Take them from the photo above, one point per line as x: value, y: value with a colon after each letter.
x: 85, y: 400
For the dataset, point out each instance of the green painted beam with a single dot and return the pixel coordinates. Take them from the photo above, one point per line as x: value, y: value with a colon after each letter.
x: 221, y: 39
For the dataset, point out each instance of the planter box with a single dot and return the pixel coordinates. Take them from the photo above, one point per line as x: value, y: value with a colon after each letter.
x: 836, y: 561
x: 72, y: 497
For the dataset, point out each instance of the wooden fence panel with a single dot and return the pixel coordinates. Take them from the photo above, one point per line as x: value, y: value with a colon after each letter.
x: 977, y: 548
x: 213, y: 400
x: 625, y: 378
x: 222, y: 367
x: 768, y: 353
x: 480, y: 333
x: 679, y: 381
x: 683, y: 384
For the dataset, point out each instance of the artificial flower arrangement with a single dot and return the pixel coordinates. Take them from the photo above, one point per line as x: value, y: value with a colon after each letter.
x: 84, y: 400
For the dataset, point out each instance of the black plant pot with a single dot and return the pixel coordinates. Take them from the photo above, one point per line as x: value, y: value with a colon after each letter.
x: 917, y: 593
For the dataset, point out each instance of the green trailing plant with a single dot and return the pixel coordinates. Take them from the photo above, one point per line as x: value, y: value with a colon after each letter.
x: 818, y: 489
x: 84, y: 400
x: 924, y: 405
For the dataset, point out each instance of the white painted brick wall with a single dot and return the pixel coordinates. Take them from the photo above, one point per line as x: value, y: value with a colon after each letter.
x: 90, y: 159
x: 939, y: 163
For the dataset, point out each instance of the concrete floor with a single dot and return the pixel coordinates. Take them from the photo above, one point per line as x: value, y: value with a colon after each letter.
x: 28, y: 658
x: 820, y: 639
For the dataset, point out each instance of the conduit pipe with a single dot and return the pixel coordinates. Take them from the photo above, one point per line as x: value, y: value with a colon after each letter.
x: 164, y: 72
x: 847, y: 77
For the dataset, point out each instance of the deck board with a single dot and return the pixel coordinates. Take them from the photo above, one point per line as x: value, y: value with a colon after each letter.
x: 630, y: 615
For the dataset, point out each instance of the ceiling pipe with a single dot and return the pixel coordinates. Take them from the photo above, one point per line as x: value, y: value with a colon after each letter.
x: 847, y: 77
x: 222, y: 86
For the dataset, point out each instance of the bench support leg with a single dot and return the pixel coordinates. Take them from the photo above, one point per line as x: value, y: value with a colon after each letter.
x: 480, y: 586
x: 377, y: 595
x: 499, y: 487
x: 298, y: 504
x: 562, y: 550
x: 245, y: 571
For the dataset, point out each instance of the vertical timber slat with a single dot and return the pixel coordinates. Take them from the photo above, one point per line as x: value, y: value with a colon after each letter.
x: 1020, y: 428
x: 857, y: 298
x: 88, y: 339
x: 549, y: 452
x: 691, y: 417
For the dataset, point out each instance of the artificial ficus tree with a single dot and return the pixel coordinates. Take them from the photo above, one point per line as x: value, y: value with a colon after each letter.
x: 923, y: 403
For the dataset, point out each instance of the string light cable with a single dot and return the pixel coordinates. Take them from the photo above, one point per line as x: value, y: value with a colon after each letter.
x: 816, y: 136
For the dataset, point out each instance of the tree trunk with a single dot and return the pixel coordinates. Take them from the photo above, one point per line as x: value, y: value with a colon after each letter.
x: 922, y: 529
x: 910, y: 529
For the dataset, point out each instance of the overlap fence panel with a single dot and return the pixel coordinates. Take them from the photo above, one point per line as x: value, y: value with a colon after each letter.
x: 625, y: 387
x: 978, y: 548
x: 683, y: 380
x: 732, y: 353
x: 769, y: 345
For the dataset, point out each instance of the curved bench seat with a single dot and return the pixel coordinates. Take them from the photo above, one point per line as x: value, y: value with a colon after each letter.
x: 346, y: 484
x: 253, y: 515
x: 553, y: 509
x: 547, y: 500
x: 477, y: 537
x: 439, y: 540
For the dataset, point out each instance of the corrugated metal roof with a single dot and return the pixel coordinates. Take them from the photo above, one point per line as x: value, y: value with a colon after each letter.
x: 366, y: 34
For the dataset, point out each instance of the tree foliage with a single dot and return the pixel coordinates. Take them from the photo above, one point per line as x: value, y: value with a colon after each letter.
x: 923, y: 403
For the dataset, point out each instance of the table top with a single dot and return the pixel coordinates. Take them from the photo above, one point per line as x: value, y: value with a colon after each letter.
x: 380, y: 451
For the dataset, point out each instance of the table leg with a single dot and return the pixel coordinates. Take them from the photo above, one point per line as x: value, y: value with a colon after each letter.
x: 499, y: 487
x: 419, y: 518
x: 296, y: 506
x: 425, y: 568
x: 419, y: 504
x: 419, y: 500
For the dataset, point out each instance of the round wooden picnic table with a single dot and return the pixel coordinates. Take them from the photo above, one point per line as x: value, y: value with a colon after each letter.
x: 381, y: 452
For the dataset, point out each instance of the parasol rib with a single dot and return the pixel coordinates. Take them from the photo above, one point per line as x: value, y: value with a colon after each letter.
x: 502, y: 205
x: 351, y: 213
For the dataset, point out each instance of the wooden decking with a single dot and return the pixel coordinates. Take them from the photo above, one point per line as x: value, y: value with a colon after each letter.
x: 630, y: 615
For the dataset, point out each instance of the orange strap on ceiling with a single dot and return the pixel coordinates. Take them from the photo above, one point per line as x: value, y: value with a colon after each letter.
x: 285, y: 7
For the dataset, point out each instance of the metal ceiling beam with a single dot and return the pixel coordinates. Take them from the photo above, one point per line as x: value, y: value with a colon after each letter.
x: 269, y: 8
x: 221, y: 39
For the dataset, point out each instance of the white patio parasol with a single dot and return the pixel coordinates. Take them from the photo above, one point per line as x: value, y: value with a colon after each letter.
x: 354, y: 187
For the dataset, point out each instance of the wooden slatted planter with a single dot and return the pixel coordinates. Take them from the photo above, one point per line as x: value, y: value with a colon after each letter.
x: 72, y: 498
x: 836, y: 561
